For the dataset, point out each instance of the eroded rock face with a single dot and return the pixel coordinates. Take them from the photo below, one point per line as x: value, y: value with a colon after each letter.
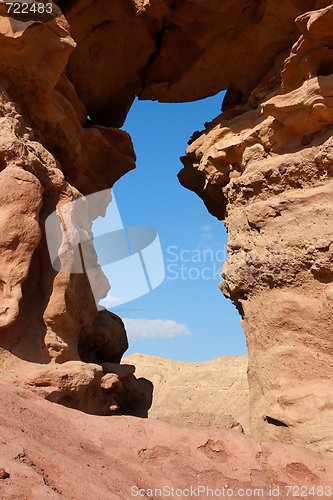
x: 48, y: 317
x: 266, y: 167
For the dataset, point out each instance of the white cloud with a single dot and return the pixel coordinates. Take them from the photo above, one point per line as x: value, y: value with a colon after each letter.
x: 154, y: 328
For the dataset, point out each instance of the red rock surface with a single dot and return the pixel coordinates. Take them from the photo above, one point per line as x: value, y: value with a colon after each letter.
x: 51, y: 452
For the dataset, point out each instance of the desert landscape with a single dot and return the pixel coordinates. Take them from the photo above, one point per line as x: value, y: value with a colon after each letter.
x: 211, y: 394
x: 73, y: 413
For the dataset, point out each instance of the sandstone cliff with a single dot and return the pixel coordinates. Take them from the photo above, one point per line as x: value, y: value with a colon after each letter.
x: 49, y: 321
x: 210, y: 394
x: 266, y: 166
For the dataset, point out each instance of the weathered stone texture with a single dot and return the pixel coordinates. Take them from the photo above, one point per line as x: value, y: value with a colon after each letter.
x: 266, y: 167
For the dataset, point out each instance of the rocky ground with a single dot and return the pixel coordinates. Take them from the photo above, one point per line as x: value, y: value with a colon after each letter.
x: 51, y: 452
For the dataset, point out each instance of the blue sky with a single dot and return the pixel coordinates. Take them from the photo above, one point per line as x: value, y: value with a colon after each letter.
x: 186, y: 317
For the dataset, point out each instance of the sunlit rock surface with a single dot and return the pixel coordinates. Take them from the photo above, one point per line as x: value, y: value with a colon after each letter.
x: 266, y: 167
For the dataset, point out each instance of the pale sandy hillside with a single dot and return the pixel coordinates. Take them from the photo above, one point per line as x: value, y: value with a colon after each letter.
x: 197, y: 394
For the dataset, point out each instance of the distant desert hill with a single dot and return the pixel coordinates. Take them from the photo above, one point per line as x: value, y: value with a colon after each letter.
x: 207, y: 394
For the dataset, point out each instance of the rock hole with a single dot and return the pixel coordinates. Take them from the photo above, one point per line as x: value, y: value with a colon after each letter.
x: 65, y: 4
x: 326, y: 68
x: 275, y: 421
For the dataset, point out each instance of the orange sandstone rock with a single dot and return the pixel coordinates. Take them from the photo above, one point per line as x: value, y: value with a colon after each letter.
x: 266, y: 168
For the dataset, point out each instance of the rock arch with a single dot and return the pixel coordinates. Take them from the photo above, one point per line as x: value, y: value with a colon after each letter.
x: 265, y: 166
